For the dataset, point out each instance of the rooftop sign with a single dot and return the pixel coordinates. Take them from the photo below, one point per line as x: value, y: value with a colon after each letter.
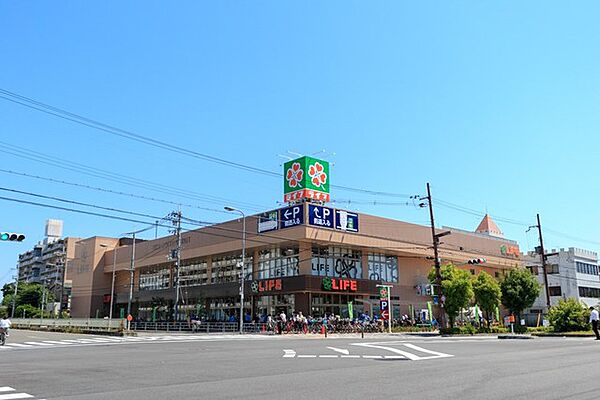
x: 306, y: 178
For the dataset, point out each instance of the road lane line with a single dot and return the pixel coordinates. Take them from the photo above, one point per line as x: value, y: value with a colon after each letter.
x: 351, y: 356
x: 328, y: 356
x: 307, y: 356
x: 18, y: 345
x: 372, y: 356
x: 6, y: 389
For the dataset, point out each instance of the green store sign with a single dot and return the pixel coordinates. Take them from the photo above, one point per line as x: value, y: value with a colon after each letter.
x: 306, y: 178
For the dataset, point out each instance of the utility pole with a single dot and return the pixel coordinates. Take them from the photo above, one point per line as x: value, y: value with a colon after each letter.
x: 131, y: 270
x: 12, y: 313
x: 177, y: 223
x: 436, y: 241
x: 544, y: 266
x: 43, y: 301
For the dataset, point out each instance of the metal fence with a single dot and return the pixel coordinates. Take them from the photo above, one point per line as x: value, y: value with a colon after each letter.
x: 80, y: 323
x: 203, y: 327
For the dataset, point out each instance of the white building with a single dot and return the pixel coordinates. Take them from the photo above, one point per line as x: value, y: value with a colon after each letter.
x: 572, y: 273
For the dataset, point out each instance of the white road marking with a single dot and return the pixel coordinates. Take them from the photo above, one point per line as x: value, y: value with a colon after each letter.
x: 38, y: 344
x: 422, y: 350
x: 289, y: 354
x: 56, y: 342
x: 398, y: 354
x: 6, y: 389
x: 105, y: 341
x: 406, y: 354
x: 15, y: 396
x: 343, y: 351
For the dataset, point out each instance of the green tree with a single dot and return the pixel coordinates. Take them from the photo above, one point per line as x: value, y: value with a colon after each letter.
x: 456, y: 287
x: 27, y: 294
x: 519, y: 290
x: 569, y: 315
x: 487, y: 293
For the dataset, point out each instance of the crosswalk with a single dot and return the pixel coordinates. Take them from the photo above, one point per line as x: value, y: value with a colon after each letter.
x: 9, y: 393
x: 106, y: 341
x: 393, y: 350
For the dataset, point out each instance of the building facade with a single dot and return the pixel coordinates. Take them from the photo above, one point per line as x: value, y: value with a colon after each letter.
x: 572, y: 273
x: 306, y: 257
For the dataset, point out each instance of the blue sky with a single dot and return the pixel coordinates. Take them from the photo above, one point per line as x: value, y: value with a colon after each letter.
x: 495, y: 104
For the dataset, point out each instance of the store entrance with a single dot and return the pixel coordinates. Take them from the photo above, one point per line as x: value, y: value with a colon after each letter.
x: 274, y: 305
x: 344, y: 305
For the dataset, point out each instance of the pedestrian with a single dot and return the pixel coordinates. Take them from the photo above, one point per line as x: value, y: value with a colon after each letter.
x: 594, y: 317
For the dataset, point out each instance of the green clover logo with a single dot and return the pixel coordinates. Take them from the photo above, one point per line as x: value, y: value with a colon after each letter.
x: 327, y: 283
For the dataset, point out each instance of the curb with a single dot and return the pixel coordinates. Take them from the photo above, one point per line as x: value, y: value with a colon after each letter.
x: 515, y: 337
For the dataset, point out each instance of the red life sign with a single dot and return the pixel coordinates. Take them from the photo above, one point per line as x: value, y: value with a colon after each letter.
x: 339, y: 285
x: 267, y: 285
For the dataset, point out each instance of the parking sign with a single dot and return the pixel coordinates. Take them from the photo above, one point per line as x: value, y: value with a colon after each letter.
x: 320, y: 216
x: 291, y: 216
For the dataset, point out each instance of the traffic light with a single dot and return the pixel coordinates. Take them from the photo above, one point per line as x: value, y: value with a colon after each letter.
x: 476, y: 261
x: 11, y: 237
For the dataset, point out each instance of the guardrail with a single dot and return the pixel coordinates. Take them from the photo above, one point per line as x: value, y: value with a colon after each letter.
x: 80, y: 323
x: 202, y: 327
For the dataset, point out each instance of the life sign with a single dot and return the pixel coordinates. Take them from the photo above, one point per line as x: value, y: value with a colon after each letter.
x: 291, y: 216
x: 339, y: 285
x: 320, y: 216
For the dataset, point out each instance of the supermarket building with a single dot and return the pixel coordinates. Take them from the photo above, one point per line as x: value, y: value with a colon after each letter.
x: 305, y: 257
x: 303, y: 267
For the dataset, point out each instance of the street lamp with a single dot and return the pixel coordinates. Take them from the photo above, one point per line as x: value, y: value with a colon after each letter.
x: 231, y: 209
x: 112, y: 286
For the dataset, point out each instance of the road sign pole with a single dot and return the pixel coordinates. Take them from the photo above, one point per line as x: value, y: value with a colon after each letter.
x: 391, y: 310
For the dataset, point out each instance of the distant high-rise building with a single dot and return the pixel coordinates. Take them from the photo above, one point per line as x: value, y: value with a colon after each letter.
x: 46, y: 263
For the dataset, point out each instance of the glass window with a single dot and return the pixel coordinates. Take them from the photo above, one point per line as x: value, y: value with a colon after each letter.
x: 193, y: 274
x: 585, y: 268
x: 226, y: 268
x: 276, y: 263
x: 589, y: 292
x: 336, y: 261
x: 555, y: 291
x: 383, y: 268
x: 155, y: 278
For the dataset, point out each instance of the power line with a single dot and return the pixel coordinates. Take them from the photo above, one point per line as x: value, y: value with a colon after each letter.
x: 120, y: 193
x: 114, y: 177
x: 79, y: 119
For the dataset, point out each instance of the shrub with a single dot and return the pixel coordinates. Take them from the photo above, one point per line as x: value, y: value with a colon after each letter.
x: 493, y: 329
x: 569, y: 315
x: 459, y: 330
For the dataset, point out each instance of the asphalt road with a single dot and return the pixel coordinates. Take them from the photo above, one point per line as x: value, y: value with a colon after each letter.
x: 156, y: 366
